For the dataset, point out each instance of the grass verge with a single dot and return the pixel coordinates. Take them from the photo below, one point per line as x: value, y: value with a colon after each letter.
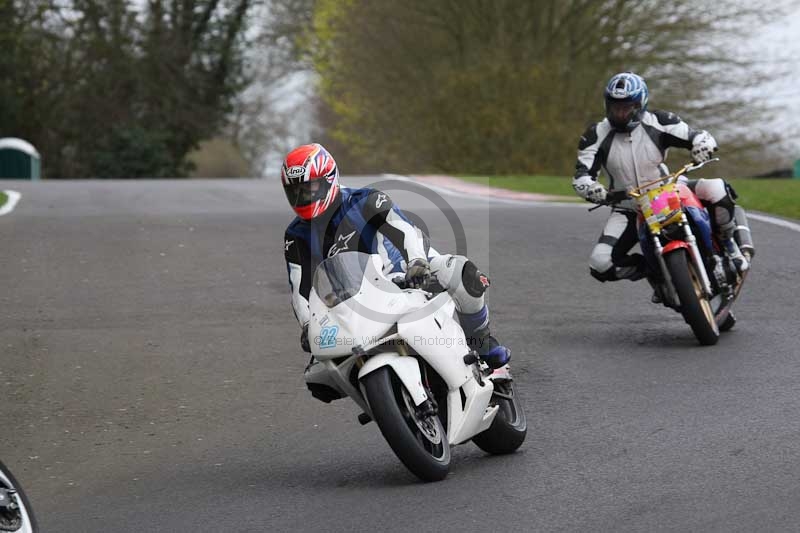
x: 555, y: 185
x: 776, y: 196
x: 3, y: 198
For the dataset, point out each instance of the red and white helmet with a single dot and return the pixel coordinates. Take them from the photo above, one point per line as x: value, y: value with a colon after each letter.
x: 310, y: 180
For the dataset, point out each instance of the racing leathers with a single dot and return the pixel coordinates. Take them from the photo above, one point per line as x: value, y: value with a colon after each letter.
x: 367, y: 220
x: 630, y: 159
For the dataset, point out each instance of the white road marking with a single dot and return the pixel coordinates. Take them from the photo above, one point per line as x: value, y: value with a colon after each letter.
x: 13, y: 198
x: 776, y: 221
x: 468, y: 196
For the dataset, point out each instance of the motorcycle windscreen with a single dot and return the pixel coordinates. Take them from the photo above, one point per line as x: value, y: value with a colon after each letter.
x: 338, y: 279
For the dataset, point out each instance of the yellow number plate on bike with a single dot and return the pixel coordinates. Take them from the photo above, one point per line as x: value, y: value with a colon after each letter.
x: 660, y: 206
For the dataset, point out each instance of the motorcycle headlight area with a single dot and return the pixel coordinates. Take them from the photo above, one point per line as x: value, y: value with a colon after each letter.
x: 665, y: 206
x: 673, y: 232
x: 663, y: 217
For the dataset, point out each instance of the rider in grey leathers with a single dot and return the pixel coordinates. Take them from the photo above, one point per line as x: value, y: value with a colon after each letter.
x: 630, y: 145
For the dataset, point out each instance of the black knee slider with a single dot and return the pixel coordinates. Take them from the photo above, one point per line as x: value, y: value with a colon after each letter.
x: 475, y: 282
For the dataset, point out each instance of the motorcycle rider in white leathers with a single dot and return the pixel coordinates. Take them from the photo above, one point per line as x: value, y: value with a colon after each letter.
x: 630, y: 145
x: 333, y: 219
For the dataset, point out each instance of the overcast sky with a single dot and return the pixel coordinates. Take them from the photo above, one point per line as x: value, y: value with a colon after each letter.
x: 778, y: 44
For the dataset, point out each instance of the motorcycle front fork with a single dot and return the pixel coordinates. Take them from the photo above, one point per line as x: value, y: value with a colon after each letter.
x: 669, y: 288
x: 694, y: 255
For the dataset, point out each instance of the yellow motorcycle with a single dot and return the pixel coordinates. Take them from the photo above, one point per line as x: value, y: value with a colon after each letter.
x: 688, y: 268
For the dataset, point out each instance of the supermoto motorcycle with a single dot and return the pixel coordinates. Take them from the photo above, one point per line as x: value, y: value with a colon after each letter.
x: 401, y: 355
x: 688, y: 268
x: 15, y: 509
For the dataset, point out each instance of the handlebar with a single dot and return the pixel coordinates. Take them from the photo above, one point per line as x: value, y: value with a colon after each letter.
x: 616, y: 196
x: 685, y: 169
x: 613, y: 197
x: 400, y: 282
x: 403, y: 284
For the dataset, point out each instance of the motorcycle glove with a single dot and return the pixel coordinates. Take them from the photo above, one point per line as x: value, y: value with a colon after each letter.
x: 418, y: 273
x: 597, y: 193
x: 589, y: 189
x: 703, y: 147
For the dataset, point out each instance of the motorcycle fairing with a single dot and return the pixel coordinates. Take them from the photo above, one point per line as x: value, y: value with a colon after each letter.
x: 426, y: 325
x: 432, y: 331
x: 674, y: 245
x: 439, y: 339
x: 701, y: 222
x: 698, y: 215
x: 405, y: 368
x: 699, y: 219
x: 335, y: 331
x: 688, y: 197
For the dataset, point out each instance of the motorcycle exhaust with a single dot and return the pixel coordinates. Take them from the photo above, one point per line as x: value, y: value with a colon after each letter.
x: 742, y: 233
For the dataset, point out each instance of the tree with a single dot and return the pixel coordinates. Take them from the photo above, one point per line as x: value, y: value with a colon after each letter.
x: 501, y: 86
x: 32, y: 54
x: 192, y: 46
x: 117, y: 89
x: 276, y: 111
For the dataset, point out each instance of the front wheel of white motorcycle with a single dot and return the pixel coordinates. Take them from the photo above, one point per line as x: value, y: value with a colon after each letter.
x: 509, y: 427
x: 418, y: 440
x: 15, y: 509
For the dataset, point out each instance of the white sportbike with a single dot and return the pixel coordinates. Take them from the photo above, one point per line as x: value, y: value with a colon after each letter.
x: 401, y: 355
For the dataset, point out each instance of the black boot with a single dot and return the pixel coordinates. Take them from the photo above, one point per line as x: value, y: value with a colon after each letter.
x: 480, y: 339
x: 731, y: 249
x: 489, y: 349
x: 724, y: 217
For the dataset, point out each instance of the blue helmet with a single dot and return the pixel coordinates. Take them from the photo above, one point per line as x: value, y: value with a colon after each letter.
x: 625, y: 100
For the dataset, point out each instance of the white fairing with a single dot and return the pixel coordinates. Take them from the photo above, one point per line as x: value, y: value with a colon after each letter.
x: 364, y: 318
x: 368, y: 318
x: 433, y: 332
x: 406, y: 368
x: 475, y: 416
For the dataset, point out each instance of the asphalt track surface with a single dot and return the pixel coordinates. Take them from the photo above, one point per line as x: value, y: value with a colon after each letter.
x: 151, y: 378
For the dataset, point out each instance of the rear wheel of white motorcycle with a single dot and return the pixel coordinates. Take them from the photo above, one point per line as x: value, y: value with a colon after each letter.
x: 419, y: 442
x: 695, y: 307
x: 509, y: 427
x: 15, y: 509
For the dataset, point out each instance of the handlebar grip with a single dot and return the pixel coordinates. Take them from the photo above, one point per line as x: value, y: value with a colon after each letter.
x: 400, y: 282
x: 403, y: 284
x: 616, y: 195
